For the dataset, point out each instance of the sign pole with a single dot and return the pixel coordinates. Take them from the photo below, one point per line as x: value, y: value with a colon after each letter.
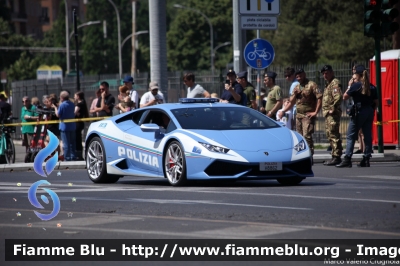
x: 259, y: 80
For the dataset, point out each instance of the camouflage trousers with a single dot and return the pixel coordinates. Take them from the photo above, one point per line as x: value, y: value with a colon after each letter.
x: 332, y: 124
x: 305, y: 127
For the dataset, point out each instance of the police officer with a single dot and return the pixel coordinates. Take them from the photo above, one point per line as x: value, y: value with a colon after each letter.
x: 332, y: 111
x: 365, y: 99
x: 307, y: 97
x: 274, y: 98
x: 248, y: 89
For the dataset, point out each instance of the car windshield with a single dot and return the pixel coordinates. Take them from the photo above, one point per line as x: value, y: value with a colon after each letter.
x: 221, y: 118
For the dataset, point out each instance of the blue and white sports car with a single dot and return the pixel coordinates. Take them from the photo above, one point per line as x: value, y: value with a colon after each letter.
x: 196, y: 139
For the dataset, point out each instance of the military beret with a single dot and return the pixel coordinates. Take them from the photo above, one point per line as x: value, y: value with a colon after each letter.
x: 299, y: 71
x: 242, y: 74
x: 326, y: 68
x: 231, y: 72
x: 271, y: 74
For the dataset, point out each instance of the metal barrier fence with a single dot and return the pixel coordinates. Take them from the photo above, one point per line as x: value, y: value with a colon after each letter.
x: 177, y: 89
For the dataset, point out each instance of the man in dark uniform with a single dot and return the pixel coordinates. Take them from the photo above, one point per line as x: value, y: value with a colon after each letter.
x: 332, y: 111
x: 233, y: 92
x: 5, y: 109
x: 308, y: 99
x: 248, y: 90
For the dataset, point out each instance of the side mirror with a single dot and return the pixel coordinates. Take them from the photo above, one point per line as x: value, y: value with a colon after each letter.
x: 281, y: 123
x: 149, y: 127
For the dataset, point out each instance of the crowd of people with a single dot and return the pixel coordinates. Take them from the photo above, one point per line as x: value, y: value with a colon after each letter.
x: 298, y: 112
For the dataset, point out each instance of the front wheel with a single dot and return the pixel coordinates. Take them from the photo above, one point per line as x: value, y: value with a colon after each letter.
x: 96, y: 164
x: 290, y: 181
x: 10, y: 151
x: 175, y: 164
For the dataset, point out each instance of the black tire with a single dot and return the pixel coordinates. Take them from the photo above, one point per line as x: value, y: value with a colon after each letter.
x: 96, y: 163
x: 33, y: 156
x: 174, y: 164
x: 28, y: 157
x: 290, y: 181
x: 10, y: 152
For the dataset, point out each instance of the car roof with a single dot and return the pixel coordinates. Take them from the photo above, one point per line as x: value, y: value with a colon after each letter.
x: 171, y: 106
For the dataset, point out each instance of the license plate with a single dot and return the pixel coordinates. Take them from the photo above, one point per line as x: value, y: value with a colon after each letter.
x: 271, y: 166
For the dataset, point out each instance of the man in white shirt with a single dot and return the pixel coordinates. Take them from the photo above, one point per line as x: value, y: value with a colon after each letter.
x: 153, y: 96
x: 194, y: 90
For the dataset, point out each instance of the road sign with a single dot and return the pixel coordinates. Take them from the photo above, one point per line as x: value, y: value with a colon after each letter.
x: 258, y: 23
x: 259, y: 7
x: 259, y: 53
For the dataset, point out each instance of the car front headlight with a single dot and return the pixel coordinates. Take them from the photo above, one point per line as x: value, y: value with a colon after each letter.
x: 301, y: 146
x: 214, y: 148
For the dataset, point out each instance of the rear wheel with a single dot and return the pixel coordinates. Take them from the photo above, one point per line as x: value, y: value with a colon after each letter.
x: 290, y: 181
x: 96, y: 163
x: 33, y: 156
x: 175, y: 164
x: 28, y: 157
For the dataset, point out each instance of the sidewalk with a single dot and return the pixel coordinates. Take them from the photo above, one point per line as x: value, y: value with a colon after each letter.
x: 389, y: 155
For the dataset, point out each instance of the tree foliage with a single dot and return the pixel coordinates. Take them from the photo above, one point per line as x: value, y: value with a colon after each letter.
x: 308, y: 31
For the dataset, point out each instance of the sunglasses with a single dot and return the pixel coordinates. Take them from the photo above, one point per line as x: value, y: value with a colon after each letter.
x: 24, y: 101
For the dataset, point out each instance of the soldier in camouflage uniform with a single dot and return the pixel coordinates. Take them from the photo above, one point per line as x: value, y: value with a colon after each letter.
x: 332, y: 111
x: 308, y: 98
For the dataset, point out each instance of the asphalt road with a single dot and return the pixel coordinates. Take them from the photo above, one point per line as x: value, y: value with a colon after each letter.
x: 352, y: 203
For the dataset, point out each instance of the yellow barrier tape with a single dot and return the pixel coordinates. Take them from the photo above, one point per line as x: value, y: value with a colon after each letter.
x: 57, y: 121
x: 386, y: 122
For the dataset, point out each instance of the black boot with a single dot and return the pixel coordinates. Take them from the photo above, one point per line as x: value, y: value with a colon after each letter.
x: 364, y: 162
x: 345, y: 163
x: 335, y: 160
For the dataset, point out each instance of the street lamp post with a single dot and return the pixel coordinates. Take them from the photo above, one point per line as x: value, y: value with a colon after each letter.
x: 215, y: 50
x: 134, y: 45
x: 70, y: 36
x: 211, y: 31
x: 85, y: 25
x: 119, y: 38
x: 66, y: 34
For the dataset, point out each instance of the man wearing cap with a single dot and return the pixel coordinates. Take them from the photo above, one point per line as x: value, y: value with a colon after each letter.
x: 128, y: 81
x: 332, y: 111
x: 248, y: 90
x: 274, y: 98
x: 153, y: 96
x: 308, y: 99
x: 233, y: 90
x: 194, y: 90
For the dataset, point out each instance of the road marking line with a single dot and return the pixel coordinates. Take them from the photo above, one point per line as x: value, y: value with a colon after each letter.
x: 167, y: 201
x: 379, y: 177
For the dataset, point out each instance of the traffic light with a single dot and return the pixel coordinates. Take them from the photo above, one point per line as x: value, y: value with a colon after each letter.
x: 372, y: 15
x: 388, y: 26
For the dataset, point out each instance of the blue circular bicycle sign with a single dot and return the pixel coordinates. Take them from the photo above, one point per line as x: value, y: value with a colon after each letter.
x: 259, y: 53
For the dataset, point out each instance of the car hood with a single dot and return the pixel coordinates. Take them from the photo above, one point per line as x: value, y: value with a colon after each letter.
x: 274, y: 139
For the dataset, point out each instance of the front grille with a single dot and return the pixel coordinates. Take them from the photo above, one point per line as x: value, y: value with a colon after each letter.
x: 228, y: 168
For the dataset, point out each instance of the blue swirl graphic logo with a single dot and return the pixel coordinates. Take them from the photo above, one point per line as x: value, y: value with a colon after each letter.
x: 32, y: 198
x: 43, y: 154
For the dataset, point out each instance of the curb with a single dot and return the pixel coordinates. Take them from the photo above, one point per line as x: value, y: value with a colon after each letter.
x: 376, y: 157
x: 20, y: 167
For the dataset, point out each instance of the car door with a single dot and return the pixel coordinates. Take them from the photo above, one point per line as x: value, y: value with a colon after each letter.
x: 145, y: 149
